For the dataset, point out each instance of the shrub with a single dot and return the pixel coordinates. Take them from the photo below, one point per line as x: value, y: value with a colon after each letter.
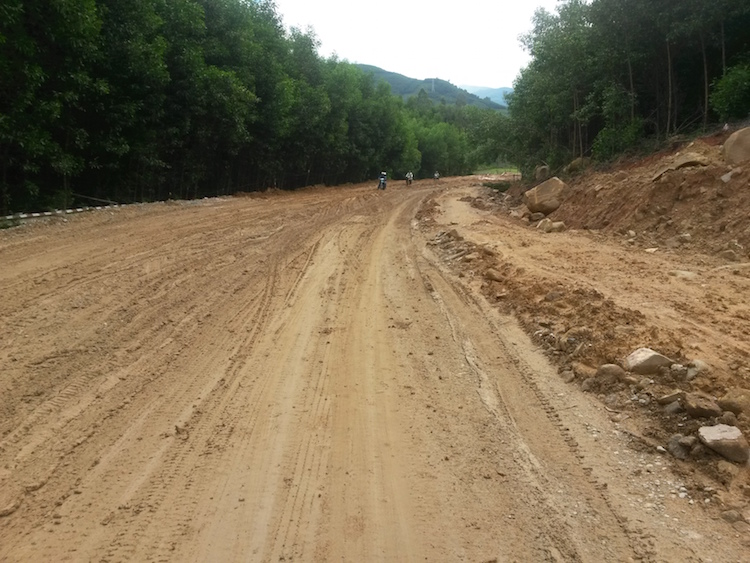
x: 731, y: 93
x: 612, y: 141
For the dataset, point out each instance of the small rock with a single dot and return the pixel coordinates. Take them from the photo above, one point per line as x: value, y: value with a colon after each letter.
x: 631, y: 234
x: 698, y: 406
x: 671, y: 397
x: 736, y: 400
x: 646, y: 361
x: 678, y: 370
x: 494, y: 275
x: 643, y: 383
x: 534, y: 217
x: 676, y: 448
x: 731, y: 516
x: 728, y: 418
x: 727, y: 471
x: 661, y: 449
x: 742, y: 527
x: 683, y: 275
x: 568, y: 376
x: 726, y: 178
x: 729, y: 255
x: 610, y: 370
x: 558, y: 227
x: 674, y: 408
x: 688, y: 441
x: 684, y: 238
x: 545, y: 225
x: 696, y: 368
x: 727, y: 441
x: 589, y: 385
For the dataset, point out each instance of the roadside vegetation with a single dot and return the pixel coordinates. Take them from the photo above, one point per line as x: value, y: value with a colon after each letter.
x: 142, y: 100
x: 612, y: 76
x: 139, y: 100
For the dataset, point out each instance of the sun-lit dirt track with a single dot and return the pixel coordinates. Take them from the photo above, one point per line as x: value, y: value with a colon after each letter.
x: 296, y: 377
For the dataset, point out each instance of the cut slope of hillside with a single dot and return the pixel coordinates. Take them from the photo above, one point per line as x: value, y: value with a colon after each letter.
x: 700, y: 207
x: 675, y: 278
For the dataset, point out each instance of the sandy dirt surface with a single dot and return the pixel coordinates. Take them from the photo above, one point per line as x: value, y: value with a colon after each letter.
x: 330, y: 375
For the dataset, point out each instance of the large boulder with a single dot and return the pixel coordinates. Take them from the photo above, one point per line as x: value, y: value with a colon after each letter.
x: 727, y: 441
x: 541, y: 173
x: 686, y: 160
x: 737, y: 147
x: 546, y: 197
x: 646, y: 361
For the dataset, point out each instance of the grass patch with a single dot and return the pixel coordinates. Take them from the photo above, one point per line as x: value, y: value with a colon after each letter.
x: 498, y: 186
x: 498, y: 170
x: 9, y: 223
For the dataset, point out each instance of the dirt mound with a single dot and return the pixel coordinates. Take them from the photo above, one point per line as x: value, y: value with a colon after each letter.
x: 702, y: 206
x: 655, y: 257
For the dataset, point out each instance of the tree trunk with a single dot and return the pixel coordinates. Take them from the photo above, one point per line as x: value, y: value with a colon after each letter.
x: 669, y: 90
x: 723, y: 51
x: 705, y: 82
x: 632, y: 90
x: 575, y: 121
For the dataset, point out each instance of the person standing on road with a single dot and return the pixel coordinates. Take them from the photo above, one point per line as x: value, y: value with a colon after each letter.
x: 436, y: 175
x: 382, y: 182
x: 409, y: 178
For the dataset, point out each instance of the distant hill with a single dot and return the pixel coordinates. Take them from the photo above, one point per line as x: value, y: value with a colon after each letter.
x: 497, y: 95
x: 436, y: 89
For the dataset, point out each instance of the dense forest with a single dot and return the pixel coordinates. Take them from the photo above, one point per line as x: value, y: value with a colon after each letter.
x: 608, y: 76
x: 139, y: 100
x: 142, y: 100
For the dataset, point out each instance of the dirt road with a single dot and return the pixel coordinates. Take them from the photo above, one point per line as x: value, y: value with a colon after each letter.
x: 307, y: 377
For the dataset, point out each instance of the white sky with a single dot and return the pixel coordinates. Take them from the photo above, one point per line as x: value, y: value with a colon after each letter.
x: 468, y: 42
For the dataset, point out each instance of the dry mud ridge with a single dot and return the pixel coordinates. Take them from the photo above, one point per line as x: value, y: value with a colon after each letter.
x: 331, y: 375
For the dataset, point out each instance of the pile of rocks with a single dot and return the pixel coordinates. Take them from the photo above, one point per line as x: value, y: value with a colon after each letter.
x: 539, y: 202
x: 720, y: 432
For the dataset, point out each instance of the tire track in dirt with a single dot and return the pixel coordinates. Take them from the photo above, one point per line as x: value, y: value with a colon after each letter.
x: 288, y: 378
x: 135, y: 324
x: 510, y: 396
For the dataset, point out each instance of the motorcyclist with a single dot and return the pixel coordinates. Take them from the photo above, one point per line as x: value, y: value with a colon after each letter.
x: 382, y: 181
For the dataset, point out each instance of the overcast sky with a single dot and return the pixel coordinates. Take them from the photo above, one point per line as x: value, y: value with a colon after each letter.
x: 468, y: 42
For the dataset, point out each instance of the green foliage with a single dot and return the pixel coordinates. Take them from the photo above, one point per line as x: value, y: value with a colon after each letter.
x: 731, y: 93
x: 611, y: 140
x: 608, y: 75
x: 138, y: 100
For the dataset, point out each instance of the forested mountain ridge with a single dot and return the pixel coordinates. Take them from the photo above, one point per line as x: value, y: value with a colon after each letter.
x: 437, y: 90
